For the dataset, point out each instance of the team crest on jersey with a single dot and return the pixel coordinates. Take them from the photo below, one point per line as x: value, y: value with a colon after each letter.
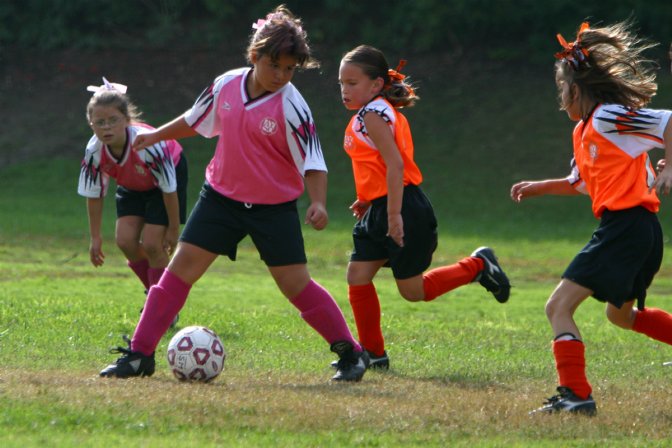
x: 268, y: 126
x: 140, y: 170
x: 592, y: 150
x: 348, y: 142
x: 226, y: 106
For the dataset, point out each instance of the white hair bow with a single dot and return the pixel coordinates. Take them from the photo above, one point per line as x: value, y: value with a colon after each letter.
x: 107, y: 85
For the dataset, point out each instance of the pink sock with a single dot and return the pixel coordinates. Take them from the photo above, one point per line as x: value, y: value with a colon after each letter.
x: 140, y: 268
x: 154, y: 275
x: 163, y: 303
x: 322, y: 313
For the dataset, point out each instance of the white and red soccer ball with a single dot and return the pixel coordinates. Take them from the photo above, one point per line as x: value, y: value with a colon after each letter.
x: 196, y: 354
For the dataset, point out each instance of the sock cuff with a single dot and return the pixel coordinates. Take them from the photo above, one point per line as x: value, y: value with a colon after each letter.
x: 142, y: 263
x: 173, y: 283
x: 357, y: 293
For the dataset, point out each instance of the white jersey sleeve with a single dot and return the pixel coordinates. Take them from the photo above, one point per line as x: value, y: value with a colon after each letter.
x: 634, y: 131
x: 92, y: 181
x: 202, y: 116
x: 575, y: 180
x: 381, y: 108
x: 159, y: 160
x: 302, y: 139
x: 160, y: 163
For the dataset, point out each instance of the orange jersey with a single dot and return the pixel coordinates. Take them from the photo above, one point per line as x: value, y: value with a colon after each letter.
x: 368, y: 165
x: 611, y: 161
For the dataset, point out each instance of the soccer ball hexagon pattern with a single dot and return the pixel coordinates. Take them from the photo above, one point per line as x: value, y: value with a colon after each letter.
x: 196, y: 354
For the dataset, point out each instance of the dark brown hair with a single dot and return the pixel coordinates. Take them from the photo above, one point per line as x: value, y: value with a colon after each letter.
x: 280, y: 32
x: 399, y: 93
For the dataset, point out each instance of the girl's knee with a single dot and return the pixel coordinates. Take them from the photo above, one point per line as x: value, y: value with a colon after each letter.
x: 622, y: 318
x: 411, y: 297
x: 127, y: 245
x: 153, y: 249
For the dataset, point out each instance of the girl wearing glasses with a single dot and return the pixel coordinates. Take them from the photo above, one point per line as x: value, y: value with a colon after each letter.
x: 151, y: 184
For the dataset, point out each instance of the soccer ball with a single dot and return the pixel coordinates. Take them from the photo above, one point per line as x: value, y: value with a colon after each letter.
x: 196, y: 354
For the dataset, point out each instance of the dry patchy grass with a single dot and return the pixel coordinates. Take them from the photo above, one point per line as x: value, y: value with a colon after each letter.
x: 383, y: 404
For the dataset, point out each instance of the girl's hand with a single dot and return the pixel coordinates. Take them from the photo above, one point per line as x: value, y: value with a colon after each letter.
x: 144, y: 140
x: 663, y: 183
x: 359, y: 208
x: 521, y: 190
x: 170, y: 239
x: 660, y: 166
x: 96, y: 254
x: 317, y: 216
x: 395, y: 228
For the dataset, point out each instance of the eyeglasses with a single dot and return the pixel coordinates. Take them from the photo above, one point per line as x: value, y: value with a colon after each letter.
x: 111, y: 122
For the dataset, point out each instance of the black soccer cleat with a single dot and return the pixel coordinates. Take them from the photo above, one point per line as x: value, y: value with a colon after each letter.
x: 130, y: 364
x: 351, y: 365
x: 567, y: 401
x: 375, y: 362
x: 492, y: 277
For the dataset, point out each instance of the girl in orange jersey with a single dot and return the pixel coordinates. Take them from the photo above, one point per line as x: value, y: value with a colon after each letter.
x: 396, y: 226
x: 604, y: 83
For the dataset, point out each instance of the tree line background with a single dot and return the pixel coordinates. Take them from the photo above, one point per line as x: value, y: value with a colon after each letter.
x: 495, y: 29
x: 462, y: 53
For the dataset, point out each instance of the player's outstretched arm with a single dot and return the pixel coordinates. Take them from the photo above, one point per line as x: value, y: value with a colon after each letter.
x: 527, y: 189
x: 663, y: 183
x: 175, y: 130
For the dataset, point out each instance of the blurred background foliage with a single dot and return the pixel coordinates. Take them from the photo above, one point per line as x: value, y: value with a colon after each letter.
x: 496, y: 29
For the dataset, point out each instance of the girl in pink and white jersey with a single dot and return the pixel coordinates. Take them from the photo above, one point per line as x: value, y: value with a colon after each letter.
x: 267, y: 149
x: 151, y: 184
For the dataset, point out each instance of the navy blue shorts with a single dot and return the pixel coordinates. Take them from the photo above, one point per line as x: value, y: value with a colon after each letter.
x: 149, y: 204
x: 371, y: 242
x: 217, y: 224
x: 619, y: 262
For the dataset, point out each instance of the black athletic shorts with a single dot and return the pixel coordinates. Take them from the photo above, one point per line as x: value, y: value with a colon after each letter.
x: 371, y: 242
x: 149, y: 204
x: 217, y: 224
x: 621, y: 259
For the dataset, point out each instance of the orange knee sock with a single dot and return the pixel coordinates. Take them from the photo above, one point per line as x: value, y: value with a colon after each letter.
x: 366, y: 309
x: 441, y: 280
x: 655, y: 323
x: 570, y: 362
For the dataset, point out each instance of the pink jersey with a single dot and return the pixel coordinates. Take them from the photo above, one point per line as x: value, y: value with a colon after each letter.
x: 143, y: 170
x: 265, y: 145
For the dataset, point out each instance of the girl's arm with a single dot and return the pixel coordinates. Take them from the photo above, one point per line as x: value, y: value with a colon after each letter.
x: 94, y: 208
x: 663, y: 182
x: 316, y: 186
x: 175, y: 130
x: 379, y: 131
x: 527, y: 189
x: 172, y: 204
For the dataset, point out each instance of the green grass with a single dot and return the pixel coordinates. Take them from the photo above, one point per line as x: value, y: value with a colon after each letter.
x: 465, y: 370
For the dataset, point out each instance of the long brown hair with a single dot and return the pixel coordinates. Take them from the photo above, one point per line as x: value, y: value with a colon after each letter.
x: 608, y: 66
x: 396, y: 89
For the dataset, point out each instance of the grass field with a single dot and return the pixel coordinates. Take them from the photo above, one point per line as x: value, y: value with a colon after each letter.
x: 465, y: 369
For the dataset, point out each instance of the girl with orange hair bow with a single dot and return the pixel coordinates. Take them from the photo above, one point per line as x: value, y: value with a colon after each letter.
x: 396, y: 226
x: 604, y: 84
